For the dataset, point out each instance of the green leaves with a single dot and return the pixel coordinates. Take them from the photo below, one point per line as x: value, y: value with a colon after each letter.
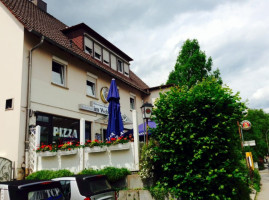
x: 197, y: 144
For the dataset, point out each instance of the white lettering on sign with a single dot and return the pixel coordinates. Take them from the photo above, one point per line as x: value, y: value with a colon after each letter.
x: 65, y: 132
x: 95, y: 107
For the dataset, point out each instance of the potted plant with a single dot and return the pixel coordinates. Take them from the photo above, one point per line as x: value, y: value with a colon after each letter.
x: 68, y: 148
x: 121, y: 143
x: 94, y: 146
x: 46, y: 150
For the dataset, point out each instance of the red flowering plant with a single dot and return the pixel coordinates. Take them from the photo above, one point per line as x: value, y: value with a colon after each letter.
x: 94, y: 143
x: 119, y: 140
x: 49, y: 147
x: 68, y: 146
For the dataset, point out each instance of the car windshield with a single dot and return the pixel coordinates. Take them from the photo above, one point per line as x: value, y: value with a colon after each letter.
x: 94, y: 186
x: 48, y: 194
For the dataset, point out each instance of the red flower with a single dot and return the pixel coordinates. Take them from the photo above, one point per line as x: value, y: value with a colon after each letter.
x: 96, y: 140
x: 113, y: 139
x: 125, y: 138
x: 69, y: 149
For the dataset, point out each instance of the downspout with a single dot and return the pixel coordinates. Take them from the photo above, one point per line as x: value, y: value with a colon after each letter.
x: 28, y: 107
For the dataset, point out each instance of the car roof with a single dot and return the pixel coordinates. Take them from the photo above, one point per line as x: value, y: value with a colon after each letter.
x: 81, y: 176
x: 23, y: 183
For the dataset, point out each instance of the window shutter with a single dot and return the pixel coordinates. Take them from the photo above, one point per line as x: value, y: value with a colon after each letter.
x: 126, y: 69
x: 97, y: 49
x: 106, y: 56
x: 113, y: 62
x: 88, y: 42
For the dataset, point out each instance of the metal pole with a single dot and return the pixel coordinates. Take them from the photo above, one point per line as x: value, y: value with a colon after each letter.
x: 147, y: 132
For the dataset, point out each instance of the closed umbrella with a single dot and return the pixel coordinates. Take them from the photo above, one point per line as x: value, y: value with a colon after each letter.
x: 115, y: 124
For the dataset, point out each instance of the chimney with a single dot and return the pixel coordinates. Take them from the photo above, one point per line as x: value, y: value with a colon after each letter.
x: 40, y: 4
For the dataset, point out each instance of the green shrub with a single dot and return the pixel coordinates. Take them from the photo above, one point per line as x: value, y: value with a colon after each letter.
x: 113, y: 174
x: 48, y: 174
x: 198, y: 145
x: 256, y: 181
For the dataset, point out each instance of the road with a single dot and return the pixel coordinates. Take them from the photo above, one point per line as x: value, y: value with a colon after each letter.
x: 264, y: 193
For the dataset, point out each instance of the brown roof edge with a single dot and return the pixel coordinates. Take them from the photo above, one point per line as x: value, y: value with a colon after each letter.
x: 85, y: 60
x: 98, y: 37
x: 161, y: 87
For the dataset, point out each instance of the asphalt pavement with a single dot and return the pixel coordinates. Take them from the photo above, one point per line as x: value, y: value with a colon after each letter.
x: 264, y: 193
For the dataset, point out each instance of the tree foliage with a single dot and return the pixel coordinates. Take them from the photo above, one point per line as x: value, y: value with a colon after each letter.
x: 191, y: 66
x: 198, y: 146
x: 260, y: 126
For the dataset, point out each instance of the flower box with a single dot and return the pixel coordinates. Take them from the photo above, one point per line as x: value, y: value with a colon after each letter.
x: 67, y: 152
x: 46, y: 153
x: 95, y: 149
x: 118, y: 147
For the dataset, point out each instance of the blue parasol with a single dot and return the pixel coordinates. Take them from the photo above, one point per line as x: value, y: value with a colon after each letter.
x: 115, y: 124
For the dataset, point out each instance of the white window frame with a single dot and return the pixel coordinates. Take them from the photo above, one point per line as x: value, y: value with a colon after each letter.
x: 118, y: 68
x: 88, y: 43
x: 126, y: 69
x: 93, y: 79
x: 64, y: 71
x: 106, y: 59
x: 98, y: 51
x: 133, y: 106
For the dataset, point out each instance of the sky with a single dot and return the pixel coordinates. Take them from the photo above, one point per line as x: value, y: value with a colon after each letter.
x: 235, y: 33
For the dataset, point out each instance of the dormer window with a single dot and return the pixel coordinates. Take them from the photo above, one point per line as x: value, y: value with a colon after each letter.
x: 97, y: 52
x: 120, y: 66
x: 106, y: 57
x: 88, y: 45
x: 126, y: 69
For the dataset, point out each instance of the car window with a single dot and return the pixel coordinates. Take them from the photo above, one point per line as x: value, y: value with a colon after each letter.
x: 93, y: 186
x: 66, y: 189
x: 48, y: 194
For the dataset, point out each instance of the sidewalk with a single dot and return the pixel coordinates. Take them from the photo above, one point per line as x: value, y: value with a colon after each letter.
x: 264, y: 193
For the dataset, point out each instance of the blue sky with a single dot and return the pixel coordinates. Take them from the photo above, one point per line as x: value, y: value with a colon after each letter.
x: 233, y: 32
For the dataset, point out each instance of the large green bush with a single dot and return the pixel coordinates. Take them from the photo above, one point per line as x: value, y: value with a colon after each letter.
x: 49, y: 174
x: 198, y: 144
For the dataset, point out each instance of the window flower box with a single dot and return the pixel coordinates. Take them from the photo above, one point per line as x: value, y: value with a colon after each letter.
x: 118, y: 147
x: 67, y: 152
x: 95, y: 149
x: 46, y: 153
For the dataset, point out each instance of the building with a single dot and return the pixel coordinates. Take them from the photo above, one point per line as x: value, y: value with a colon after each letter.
x: 54, y: 76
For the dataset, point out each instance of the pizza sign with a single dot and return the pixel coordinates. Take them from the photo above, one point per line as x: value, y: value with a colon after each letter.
x: 246, y: 125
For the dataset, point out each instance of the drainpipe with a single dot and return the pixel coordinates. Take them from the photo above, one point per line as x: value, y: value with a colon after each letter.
x: 28, y: 107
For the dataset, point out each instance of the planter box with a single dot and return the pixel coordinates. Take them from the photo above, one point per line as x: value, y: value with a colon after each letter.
x: 119, y: 147
x: 46, y: 154
x: 66, y: 152
x: 95, y: 149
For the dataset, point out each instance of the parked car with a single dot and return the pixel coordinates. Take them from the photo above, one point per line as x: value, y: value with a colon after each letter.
x: 87, y: 187
x: 31, y: 190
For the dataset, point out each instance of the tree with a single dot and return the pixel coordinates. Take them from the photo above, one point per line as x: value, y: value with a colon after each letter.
x: 198, y: 146
x: 260, y: 125
x: 191, y: 66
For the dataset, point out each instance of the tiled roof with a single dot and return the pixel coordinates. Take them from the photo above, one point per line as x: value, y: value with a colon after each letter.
x: 41, y: 23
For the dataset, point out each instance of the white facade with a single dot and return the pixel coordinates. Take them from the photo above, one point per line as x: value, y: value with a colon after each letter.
x: 47, y: 97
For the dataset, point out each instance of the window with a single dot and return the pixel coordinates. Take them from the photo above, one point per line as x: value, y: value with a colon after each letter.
x: 88, y: 45
x: 113, y: 62
x: 120, y: 66
x: 91, y: 85
x: 58, y: 73
x: 97, y: 51
x: 132, y: 103
x: 126, y: 69
x: 9, y: 104
x: 56, y: 129
x: 88, y: 135
x: 105, y: 57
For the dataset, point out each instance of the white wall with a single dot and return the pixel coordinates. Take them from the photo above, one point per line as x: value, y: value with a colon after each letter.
x: 11, y: 59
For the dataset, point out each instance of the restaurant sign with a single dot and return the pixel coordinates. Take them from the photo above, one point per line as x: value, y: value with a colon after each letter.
x: 246, y: 125
x: 94, y: 107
